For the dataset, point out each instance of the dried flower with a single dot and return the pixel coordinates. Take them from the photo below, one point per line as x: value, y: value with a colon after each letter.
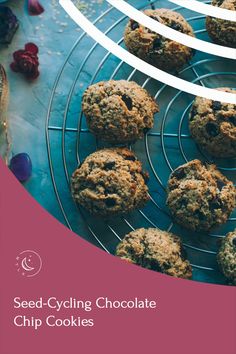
x: 8, y: 24
x: 26, y: 61
x: 35, y: 8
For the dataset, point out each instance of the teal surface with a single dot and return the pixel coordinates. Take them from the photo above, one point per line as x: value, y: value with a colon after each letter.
x: 46, y: 122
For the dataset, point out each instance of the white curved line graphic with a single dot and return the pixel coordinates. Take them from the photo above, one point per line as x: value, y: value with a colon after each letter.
x: 141, y: 65
x: 170, y: 33
x: 25, y: 266
x: 207, y: 9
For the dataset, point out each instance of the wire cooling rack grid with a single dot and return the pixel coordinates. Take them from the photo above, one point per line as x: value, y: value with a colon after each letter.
x: 164, y: 148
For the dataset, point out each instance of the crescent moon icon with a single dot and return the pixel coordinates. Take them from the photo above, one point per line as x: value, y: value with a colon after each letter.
x: 25, y: 266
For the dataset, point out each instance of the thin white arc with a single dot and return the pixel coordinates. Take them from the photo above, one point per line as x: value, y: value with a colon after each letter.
x: 141, y: 65
x: 207, y: 9
x: 189, y: 41
x: 25, y: 266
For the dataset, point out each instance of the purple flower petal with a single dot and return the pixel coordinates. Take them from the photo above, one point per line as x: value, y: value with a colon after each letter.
x: 21, y: 166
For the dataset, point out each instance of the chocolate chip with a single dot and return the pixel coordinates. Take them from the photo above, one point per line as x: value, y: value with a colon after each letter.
x: 177, y: 26
x: 216, y: 105
x: 193, y: 113
x: 232, y: 120
x: 220, y: 184
x: 134, y: 25
x: 130, y: 158
x: 212, y: 129
x: 184, y: 203
x: 128, y: 101
x: 155, y: 265
x: 179, y: 173
x: 234, y: 241
x: 157, y: 43
x: 110, y: 202
x: 155, y: 18
x: 109, y: 165
x: 215, y: 204
x: 199, y: 214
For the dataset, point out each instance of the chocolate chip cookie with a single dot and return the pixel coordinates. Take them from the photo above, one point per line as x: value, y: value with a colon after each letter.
x: 156, y: 250
x: 213, y: 126
x: 222, y: 31
x: 118, y: 111
x: 199, y: 196
x: 227, y: 257
x: 155, y: 49
x: 110, y: 181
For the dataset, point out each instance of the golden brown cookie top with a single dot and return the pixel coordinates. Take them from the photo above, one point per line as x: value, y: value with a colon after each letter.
x: 156, y: 250
x: 110, y: 181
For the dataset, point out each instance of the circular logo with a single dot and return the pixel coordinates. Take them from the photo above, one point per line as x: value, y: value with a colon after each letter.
x: 28, y: 263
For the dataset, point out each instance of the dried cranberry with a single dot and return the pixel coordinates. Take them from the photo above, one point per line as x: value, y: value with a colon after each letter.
x: 110, y: 202
x: 134, y: 25
x: 232, y: 120
x: 179, y: 173
x: 216, y: 105
x: 128, y: 101
x: 212, y: 129
x: 220, y: 184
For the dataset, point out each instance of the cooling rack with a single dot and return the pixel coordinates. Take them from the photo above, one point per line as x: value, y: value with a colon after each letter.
x: 164, y: 147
